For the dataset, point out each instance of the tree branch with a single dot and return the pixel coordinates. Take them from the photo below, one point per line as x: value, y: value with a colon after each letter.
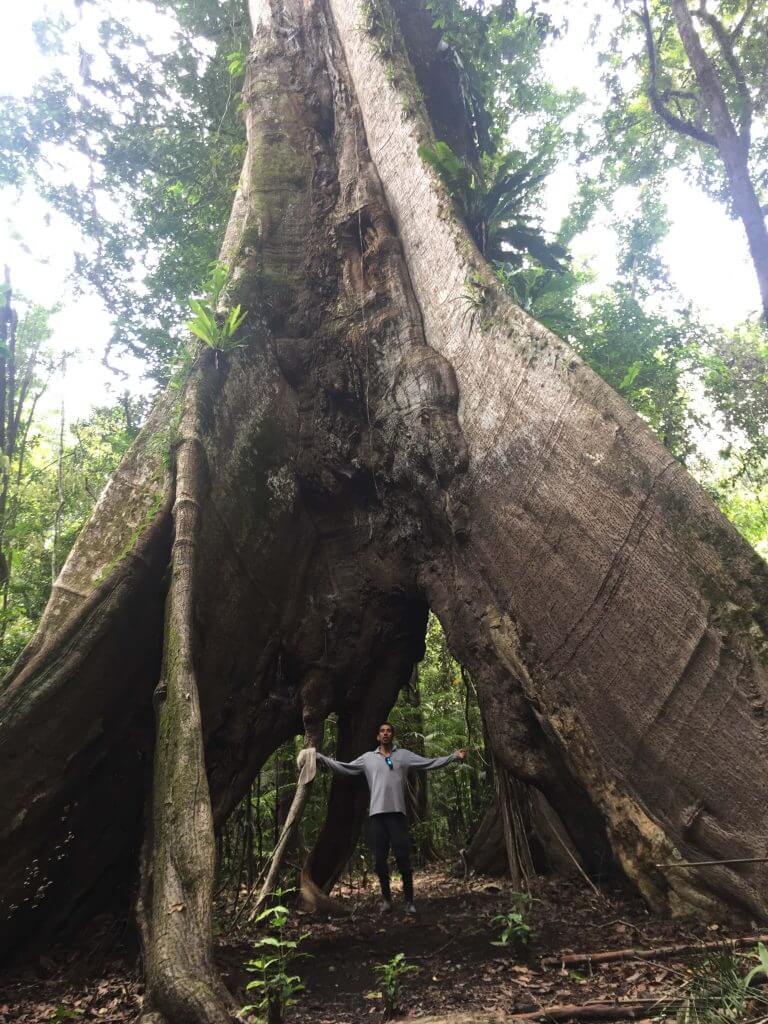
x: 742, y: 21
x: 724, y: 41
x: 678, y: 124
x: 677, y: 94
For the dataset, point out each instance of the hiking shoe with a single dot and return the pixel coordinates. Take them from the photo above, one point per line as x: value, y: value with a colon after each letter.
x: 386, y: 906
x: 410, y: 908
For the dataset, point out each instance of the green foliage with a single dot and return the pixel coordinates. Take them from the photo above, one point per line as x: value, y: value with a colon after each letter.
x: 649, y: 352
x: 548, y: 296
x: 494, y: 200
x: 391, y: 976
x: 718, y: 991
x: 379, y: 21
x: 495, y: 49
x: 63, y: 1015
x: 215, y: 330
x: 515, y: 928
x: 275, y: 984
x: 181, y: 369
x: 93, y: 448
x: 636, y: 143
x: 236, y: 63
x: 439, y: 713
x: 760, y: 970
x: 644, y: 356
x: 743, y: 496
x: 160, y: 134
x: 736, y: 381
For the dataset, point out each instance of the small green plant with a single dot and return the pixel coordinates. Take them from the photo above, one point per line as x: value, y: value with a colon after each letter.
x: 515, y: 929
x: 390, y: 977
x: 494, y: 198
x: 379, y: 22
x: 236, y: 63
x: 275, y: 983
x: 182, y: 368
x: 214, y: 330
x: 761, y: 968
x: 718, y: 991
x: 479, y: 301
x: 63, y: 1015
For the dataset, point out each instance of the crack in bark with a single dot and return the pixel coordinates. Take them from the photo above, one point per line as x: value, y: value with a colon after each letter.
x: 611, y: 579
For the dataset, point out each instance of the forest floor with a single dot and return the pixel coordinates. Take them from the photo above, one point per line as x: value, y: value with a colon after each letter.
x: 449, y: 942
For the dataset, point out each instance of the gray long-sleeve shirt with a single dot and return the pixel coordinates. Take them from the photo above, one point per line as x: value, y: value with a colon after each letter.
x: 387, y: 785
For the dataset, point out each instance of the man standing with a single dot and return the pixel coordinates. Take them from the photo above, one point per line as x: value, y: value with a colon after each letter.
x: 386, y: 770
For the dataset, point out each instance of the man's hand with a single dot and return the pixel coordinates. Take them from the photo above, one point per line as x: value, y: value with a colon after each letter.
x: 461, y: 754
x: 302, y: 756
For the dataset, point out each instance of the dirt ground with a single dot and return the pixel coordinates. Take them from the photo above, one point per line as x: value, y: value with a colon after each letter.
x: 449, y: 942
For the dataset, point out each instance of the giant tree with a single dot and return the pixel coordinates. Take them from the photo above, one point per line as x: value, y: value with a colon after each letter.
x: 387, y: 434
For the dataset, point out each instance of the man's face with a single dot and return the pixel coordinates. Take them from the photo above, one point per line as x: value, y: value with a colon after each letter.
x: 385, y: 735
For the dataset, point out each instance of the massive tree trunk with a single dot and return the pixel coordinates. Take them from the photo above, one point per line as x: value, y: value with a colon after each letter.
x: 395, y: 434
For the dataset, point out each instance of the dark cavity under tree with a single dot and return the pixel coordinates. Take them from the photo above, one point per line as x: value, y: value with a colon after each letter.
x: 394, y: 435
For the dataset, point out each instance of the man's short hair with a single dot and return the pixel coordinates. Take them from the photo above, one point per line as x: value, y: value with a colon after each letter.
x: 390, y: 726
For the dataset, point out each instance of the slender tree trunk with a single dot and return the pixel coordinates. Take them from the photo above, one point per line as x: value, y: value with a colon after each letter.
x: 734, y: 149
x: 59, y: 481
x: 259, y: 831
x: 8, y: 324
x: 417, y: 792
x: 182, y: 982
x: 249, y: 840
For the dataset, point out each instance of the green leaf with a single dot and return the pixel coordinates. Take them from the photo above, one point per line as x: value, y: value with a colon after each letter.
x: 236, y: 63
x: 271, y: 912
x: 202, y: 332
x: 630, y: 375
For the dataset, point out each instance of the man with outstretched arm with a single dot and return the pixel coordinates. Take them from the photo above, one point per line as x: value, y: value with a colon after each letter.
x: 386, y: 770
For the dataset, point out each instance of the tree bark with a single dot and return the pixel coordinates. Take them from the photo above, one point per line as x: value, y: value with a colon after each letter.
x: 612, y: 619
x: 597, y: 576
x: 176, y: 909
x: 487, y: 852
x: 515, y: 826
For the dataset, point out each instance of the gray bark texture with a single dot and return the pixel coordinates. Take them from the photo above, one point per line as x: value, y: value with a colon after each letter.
x: 394, y: 435
x: 178, y: 865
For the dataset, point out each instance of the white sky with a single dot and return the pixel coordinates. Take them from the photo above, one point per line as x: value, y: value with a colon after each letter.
x: 705, y: 251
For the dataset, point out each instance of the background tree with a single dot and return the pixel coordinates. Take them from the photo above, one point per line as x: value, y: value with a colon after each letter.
x: 38, y: 498
x: 700, y: 105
